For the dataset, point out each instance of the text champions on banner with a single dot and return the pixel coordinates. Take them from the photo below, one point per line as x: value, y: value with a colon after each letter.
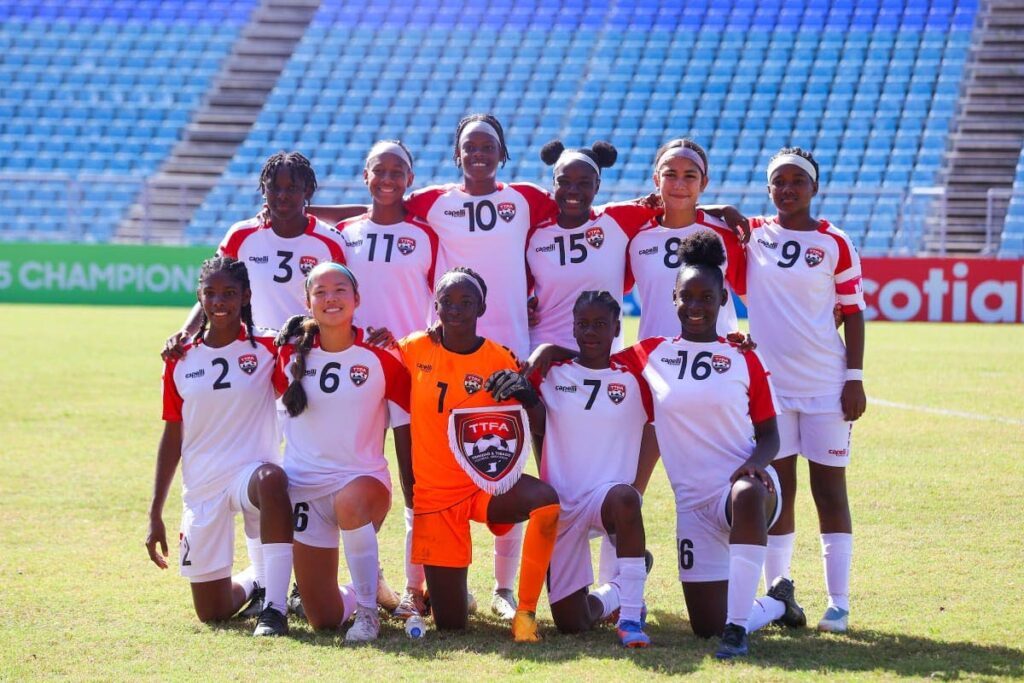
x: 944, y: 289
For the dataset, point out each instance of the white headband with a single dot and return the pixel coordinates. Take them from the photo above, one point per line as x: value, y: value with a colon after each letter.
x: 685, y: 153
x: 385, y: 147
x: 569, y: 156
x: 795, y: 160
x: 453, y: 276
x: 478, y: 127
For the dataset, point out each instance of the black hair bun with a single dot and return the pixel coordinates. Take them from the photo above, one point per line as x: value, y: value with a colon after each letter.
x: 605, y: 153
x: 702, y: 248
x: 550, y: 152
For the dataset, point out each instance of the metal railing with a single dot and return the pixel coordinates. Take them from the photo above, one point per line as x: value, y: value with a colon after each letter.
x: 997, y: 202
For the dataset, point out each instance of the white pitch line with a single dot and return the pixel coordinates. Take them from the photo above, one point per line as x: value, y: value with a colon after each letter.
x: 948, y: 413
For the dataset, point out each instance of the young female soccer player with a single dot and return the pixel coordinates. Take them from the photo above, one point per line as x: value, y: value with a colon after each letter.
x: 727, y: 495
x: 797, y: 268
x: 219, y: 423
x: 596, y: 416
x: 680, y: 175
x: 580, y: 249
x: 466, y: 370
x: 336, y: 467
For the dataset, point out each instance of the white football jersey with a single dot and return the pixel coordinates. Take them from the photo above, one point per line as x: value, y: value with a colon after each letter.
x: 278, y: 265
x: 394, y: 265
x: 224, y: 399
x: 352, y: 397
x: 707, y: 397
x: 563, y: 262
x: 654, y: 263
x: 488, y: 234
x: 794, y: 279
x: 595, y: 421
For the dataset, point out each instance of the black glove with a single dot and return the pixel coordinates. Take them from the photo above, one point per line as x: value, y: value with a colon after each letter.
x: 505, y: 384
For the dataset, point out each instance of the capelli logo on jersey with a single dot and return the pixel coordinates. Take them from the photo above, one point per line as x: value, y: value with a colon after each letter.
x: 473, y: 383
x: 766, y: 243
x: 425, y: 367
x: 617, y: 392
x: 720, y: 363
x: 671, y: 361
x: 838, y: 452
x: 813, y: 256
x: 359, y: 374
x: 648, y: 251
x: 259, y: 259
x: 195, y: 374
x: 248, y: 363
x: 545, y: 249
x: 569, y: 388
x: 307, y: 263
x: 507, y: 211
x: 353, y: 243
x: 406, y: 245
x: 459, y: 213
x: 310, y: 373
x: 595, y: 237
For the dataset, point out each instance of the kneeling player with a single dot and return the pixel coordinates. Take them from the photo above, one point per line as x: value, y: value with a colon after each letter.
x: 596, y: 416
x: 220, y: 423
x: 342, y: 395
x: 466, y: 371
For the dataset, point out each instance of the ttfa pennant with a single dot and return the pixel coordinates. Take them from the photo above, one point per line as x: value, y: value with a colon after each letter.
x: 490, y: 444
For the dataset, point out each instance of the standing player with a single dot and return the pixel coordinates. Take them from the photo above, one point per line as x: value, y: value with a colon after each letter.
x: 465, y: 370
x: 336, y: 467
x: 219, y: 423
x: 727, y: 495
x: 596, y: 416
x: 680, y: 175
x: 797, y: 268
x: 580, y: 249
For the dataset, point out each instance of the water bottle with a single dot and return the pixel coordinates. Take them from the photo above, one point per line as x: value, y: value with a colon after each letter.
x: 415, y: 627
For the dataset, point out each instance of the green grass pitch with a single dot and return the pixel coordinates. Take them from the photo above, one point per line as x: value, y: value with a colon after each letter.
x: 936, y: 498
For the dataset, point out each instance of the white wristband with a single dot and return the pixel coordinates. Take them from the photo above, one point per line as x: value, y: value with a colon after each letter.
x: 854, y: 375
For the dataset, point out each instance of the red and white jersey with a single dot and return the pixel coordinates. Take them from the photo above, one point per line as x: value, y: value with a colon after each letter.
x: 563, y: 262
x: 395, y: 268
x: 794, y: 279
x: 488, y: 234
x: 278, y: 265
x: 654, y: 262
x: 707, y: 397
x: 595, y: 421
x: 224, y: 399
x: 352, y: 397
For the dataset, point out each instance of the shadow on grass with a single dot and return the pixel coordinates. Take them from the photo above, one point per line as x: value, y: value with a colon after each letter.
x: 676, y: 650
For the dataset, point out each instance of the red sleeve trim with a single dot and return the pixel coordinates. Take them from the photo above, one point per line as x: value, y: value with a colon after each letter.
x: 337, y: 255
x: 281, y: 376
x: 845, y: 261
x: 646, y: 397
x: 397, y: 383
x: 233, y: 240
x: 636, y: 356
x: 631, y: 217
x: 434, y: 242
x: 542, y: 205
x: 735, y: 258
x: 172, y: 399
x: 420, y: 202
x: 761, y: 400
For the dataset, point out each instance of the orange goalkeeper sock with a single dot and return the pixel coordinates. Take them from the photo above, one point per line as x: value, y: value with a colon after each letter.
x: 538, y: 543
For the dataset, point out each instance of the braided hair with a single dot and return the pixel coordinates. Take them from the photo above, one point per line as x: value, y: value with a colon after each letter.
x: 490, y: 120
x: 306, y: 329
x: 237, y: 271
x: 298, y: 166
x: 599, y: 298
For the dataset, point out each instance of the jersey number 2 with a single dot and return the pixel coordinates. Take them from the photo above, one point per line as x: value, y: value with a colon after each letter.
x: 219, y: 383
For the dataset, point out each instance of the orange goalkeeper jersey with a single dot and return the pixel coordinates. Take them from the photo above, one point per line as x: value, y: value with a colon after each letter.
x: 441, y: 381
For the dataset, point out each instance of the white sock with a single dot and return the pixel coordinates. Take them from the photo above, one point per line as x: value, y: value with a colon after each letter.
x: 348, y: 601
x: 246, y: 579
x: 278, y: 559
x: 608, y: 594
x: 631, y: 579
x: 255, y: 548
x: 745, y: 564
x: 507, y: 550
x: 363, y: 564
x: 837, y: 554
x: 608, y: 562
x: 779, y: 558
x: 764, y: 611
x: 414, y: 576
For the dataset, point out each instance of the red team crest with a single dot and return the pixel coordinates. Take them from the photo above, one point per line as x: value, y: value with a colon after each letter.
x: 617, y: 392
x: 720, y: 363
x: 595, y: 237
x: 507, y: 211
x: 813, y: 256
x: 406, y: 245
x: 307, y: 263
x: 473, y: 383
x: 359, y: 374
x: 489, y: 445
x: 248, y: 363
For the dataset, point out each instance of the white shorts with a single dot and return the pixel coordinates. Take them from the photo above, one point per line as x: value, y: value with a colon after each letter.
x: 571, y: 565
x: 702, y: 536
x: 316, y: 523
x: 815, y: 428
x: 207, y: 538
